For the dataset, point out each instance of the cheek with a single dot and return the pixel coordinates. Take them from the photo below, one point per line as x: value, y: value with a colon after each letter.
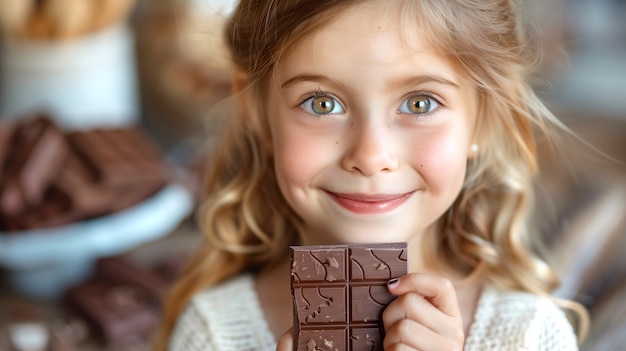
x: 442, y: 162
x: 297, y: 158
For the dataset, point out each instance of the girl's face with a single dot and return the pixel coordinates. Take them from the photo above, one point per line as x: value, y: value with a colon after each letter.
x: 371, y: 130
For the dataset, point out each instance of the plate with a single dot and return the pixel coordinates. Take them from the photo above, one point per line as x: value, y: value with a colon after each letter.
x: 42, y: 262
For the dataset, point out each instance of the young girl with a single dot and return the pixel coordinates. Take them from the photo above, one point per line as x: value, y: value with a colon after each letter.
x: 376, y: 121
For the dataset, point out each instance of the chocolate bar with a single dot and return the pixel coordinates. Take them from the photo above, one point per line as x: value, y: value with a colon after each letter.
x: 80, y: 186
x: 52, y: 178
x: 119, y: 157
x: 38, y: 151
x: 54, y: 210
x: 339, y: 293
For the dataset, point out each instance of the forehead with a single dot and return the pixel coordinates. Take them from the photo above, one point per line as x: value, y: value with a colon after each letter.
x: 371, y: 33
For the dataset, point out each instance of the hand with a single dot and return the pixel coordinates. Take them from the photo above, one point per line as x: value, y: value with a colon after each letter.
x: 285, y: 342
x: 425, y: 316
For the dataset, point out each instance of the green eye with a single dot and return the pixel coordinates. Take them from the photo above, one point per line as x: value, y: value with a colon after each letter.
x: 418, y: 104
x: 322, y: 105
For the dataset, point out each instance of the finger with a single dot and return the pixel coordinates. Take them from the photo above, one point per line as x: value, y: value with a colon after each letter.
x: 285, y: 342
x: 416, y: 307
x: 439, y: 291
x: 413, y: 335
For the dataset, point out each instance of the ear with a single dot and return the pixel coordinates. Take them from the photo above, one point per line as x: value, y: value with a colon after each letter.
x: 240, y: 80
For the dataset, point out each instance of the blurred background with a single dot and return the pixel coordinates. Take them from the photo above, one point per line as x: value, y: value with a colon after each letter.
x: 102, y: 96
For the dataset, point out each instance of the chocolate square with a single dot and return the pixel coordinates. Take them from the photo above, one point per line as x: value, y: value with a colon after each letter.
x: 339, y: 293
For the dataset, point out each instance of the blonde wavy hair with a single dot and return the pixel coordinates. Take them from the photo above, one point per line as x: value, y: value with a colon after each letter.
x: 247, y: 223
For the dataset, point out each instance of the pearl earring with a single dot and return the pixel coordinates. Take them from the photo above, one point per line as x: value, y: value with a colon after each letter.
x: 474, y: 148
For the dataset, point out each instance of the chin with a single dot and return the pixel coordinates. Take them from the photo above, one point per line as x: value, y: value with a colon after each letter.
x: 359, y: 235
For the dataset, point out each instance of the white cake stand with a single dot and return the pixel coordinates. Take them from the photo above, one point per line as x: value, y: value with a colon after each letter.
x: 43, y: 263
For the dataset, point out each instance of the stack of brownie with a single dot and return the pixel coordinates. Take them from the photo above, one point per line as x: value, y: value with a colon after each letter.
x: 50, y: 177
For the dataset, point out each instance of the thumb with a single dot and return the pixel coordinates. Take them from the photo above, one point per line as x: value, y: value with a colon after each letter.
x: 285, y: 343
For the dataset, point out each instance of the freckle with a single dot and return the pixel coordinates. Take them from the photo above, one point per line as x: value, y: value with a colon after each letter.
x: 421, y: 166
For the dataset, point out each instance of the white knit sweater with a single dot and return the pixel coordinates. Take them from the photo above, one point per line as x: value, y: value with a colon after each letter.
x: 229, y: 317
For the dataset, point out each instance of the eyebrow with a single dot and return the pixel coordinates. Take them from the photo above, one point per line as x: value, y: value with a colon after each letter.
x: 308, y: 78
x: 410, y: 81
x: 421, y: 79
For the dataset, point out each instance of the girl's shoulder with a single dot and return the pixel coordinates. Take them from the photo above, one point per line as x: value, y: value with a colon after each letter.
x: 227, y: 316
x: 519, y: 321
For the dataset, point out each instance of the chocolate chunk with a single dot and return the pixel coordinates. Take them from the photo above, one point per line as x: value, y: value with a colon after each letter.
x: 123, y: 157
x: 54, y: 210
x: 120, y: 315
x: 121, y: 303
x: 38, y: 150
x: 119, y: 270
x: 6, y: 131
x: 339, y: 293
x: 51, y: 178
x: 80, y: 186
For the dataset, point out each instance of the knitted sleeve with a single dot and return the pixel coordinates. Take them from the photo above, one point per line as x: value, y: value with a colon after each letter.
x: 192, y: 332
x: 519, y: 321
x: 227, y: 317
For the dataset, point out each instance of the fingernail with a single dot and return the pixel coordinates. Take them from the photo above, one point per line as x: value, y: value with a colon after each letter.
x: 392, y: 283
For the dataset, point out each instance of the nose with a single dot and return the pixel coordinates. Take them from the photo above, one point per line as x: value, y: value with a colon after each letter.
x: 371, y: 149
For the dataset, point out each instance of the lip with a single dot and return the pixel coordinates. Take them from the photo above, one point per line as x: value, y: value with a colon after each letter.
x: 370, y: 203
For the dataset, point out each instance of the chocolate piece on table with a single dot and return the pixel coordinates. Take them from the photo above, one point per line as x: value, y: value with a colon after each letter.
x: 339, y: 293
x: 67, y: 333
x: 38, y: 151
x: 121, y: 315
x: 120, y: 270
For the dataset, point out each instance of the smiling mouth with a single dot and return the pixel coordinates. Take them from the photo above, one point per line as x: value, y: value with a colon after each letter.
x: 369, y: 204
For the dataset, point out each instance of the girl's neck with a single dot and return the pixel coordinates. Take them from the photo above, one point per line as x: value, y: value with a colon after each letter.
x: 424, y: 258
x: 274, y: 292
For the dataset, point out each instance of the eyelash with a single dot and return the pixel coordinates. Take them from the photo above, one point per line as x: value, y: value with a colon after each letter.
x: 429, y: 95
x: 437, y: 100
x: 321, y: 93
